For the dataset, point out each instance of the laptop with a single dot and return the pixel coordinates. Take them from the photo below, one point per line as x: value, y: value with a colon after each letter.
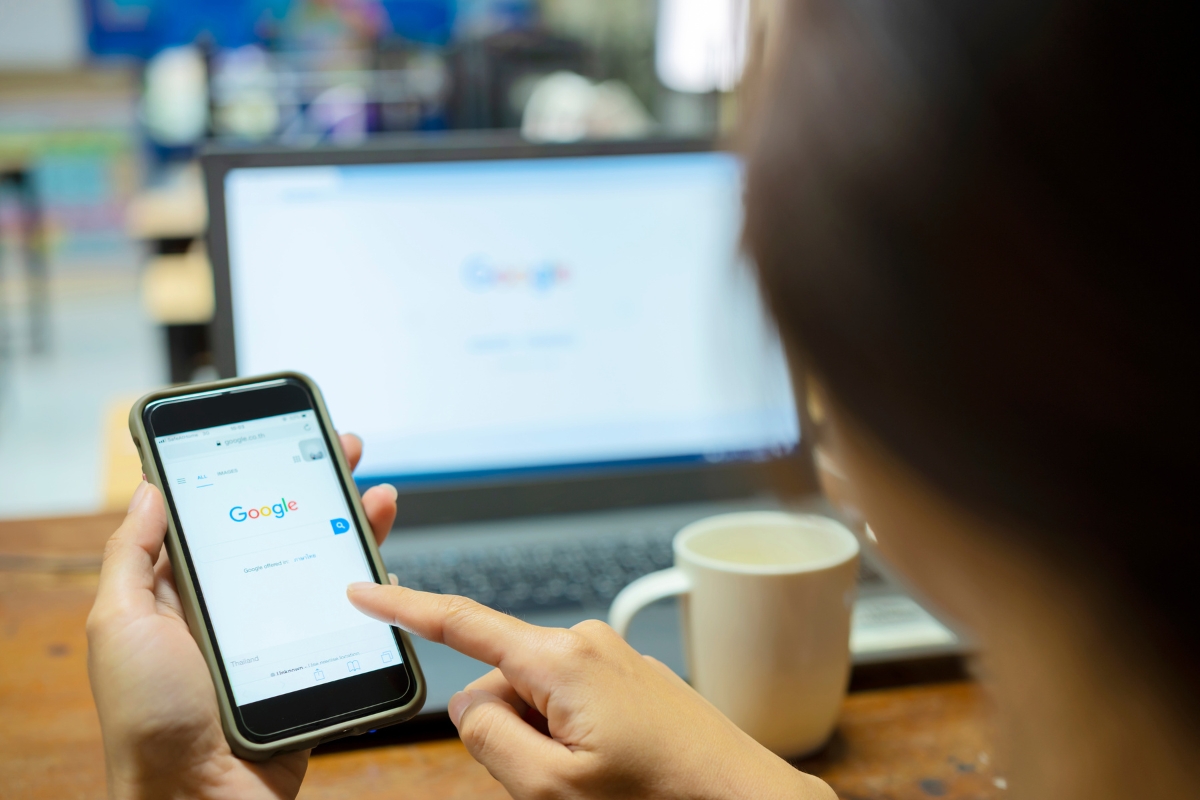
x: 554, y: 352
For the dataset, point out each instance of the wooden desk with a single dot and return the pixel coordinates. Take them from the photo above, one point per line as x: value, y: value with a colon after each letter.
x: 911, y: 743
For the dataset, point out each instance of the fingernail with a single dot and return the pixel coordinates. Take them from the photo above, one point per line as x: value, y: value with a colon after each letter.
x: 393, y: 579
x: 458, y: 704
x: 360, y: 586
x: 137, y: 496
x: 395, y: 493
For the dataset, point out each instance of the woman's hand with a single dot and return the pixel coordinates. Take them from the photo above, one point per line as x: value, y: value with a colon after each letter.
x: 579, y: 714
x: 157, y: 705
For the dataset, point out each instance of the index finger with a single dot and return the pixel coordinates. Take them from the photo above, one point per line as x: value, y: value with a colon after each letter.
x: 464, y: 625
x: 352, y: 447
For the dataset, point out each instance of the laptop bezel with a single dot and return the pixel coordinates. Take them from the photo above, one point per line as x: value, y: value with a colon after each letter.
x: 553, y: 491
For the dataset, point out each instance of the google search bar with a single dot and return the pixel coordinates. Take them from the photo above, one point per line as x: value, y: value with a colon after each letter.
x: 235, y: 440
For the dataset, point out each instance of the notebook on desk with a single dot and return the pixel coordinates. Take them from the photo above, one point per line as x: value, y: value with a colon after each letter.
x: 552, y: 351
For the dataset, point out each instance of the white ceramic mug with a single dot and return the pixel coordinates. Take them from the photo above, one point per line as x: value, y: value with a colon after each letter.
x: 765, y: 599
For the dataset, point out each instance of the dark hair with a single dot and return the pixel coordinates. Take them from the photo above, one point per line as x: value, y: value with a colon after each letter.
x: 974, y: 220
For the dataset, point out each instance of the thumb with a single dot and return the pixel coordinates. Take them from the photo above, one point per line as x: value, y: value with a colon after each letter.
x: 528, y: 763
x: 127, y: 574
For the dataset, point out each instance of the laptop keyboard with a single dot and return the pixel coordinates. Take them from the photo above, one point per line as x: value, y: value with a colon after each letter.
x: 516, y: 578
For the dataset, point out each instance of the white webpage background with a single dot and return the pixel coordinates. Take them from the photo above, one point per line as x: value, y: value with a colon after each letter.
x: 274, y: 587
x: 655, y: 344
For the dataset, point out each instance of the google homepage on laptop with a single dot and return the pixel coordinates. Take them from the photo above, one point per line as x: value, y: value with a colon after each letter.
x: 473, y: 317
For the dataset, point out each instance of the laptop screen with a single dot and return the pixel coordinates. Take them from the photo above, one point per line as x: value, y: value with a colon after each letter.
x: 471, y: 319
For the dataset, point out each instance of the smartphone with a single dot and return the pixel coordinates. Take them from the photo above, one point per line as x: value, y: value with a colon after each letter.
x: 265, y: 531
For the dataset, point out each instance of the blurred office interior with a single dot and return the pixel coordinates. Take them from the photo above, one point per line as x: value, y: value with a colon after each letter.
x: 105, y: 288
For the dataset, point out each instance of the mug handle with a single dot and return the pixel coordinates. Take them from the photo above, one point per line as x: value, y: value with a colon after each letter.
x: 644, y: 591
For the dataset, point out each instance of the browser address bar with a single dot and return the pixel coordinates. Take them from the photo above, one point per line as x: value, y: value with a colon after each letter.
x: 213, y: 445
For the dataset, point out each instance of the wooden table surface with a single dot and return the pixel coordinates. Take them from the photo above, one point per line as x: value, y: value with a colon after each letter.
x: 915, y: 742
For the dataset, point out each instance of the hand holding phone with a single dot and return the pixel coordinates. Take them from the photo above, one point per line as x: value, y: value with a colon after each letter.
x: 155, y: 697
x: 264, y: 531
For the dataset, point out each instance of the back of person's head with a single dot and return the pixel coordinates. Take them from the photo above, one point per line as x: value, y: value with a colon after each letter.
x: 976, y: 222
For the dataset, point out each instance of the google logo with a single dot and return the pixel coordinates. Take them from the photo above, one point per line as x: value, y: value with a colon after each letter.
x: 279, y: 509
x: 481, y: 275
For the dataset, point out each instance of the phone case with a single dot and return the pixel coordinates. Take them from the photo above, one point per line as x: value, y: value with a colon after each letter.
x: 185, y: 583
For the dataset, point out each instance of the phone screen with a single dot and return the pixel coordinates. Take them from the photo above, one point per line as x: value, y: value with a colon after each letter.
x: 273, y: 543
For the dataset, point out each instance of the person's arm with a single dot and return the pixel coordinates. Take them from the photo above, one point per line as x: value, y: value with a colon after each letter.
x: 156, y: 701
x: 579, y: 713
x: 568, y: 712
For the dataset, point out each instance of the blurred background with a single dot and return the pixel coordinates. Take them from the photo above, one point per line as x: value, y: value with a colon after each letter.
x: 105, y: 289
